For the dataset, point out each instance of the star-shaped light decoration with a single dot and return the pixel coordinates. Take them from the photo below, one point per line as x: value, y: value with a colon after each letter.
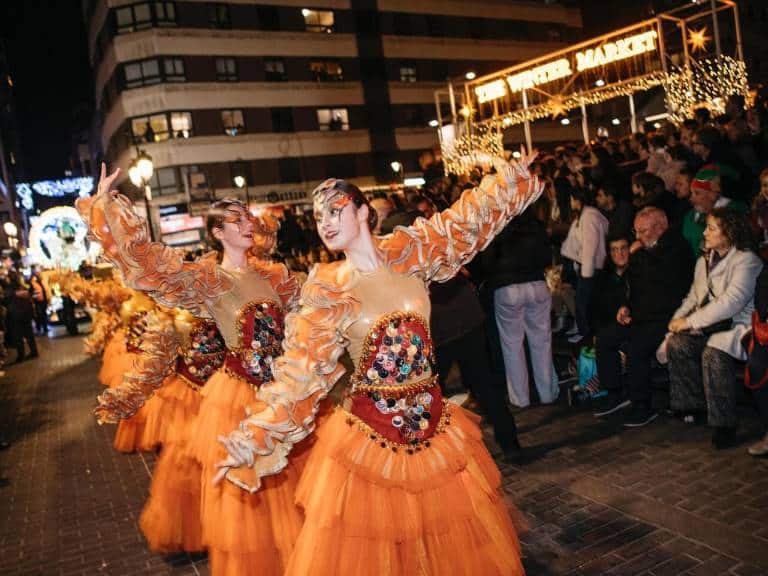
x: 556, y: 106
x: 698, y: 39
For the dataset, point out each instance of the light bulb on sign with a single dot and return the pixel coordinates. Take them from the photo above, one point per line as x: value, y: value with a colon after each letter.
x: 470, y: 75
x: 600, y: 82
x: 615, y: 121
x: 239, y: 181
x: 433, y: 123
x: 565, y: 121
x: 396, y: 166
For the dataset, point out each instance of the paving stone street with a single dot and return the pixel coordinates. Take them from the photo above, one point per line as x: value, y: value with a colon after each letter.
x: 598, y: 499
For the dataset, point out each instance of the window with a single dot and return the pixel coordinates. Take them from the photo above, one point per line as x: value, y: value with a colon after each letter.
x: 143, y: 73
x: 282, y: 120
x: 233, y: 122
x: 325, y: 71
x: 333, y: 119
x: 408, y: 73
x: 274, y: 70
x: 181, y: 124
x: 133, y: 18
x: 174, y: 70
x: 165, y: 13
x: 164, y: 181
x: 269, y: 17
x: 150, y: 129
x: 226, y: 70
x: 218, y: 15
x: 318, y: 20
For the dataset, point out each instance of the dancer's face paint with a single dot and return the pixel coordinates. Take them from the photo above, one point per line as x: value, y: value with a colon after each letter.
x: 335, y: 217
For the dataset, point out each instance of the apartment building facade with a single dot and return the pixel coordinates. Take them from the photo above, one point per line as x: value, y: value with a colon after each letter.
x: 277, y: 95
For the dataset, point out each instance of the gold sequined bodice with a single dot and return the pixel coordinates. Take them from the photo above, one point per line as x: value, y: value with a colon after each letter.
x: 380, y: 293
x: 248, y: 286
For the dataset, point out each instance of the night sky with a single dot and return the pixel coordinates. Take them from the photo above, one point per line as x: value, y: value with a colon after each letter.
x: 48, y: 55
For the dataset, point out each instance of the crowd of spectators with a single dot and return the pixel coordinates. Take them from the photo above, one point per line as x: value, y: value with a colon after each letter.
x: 648, y: 248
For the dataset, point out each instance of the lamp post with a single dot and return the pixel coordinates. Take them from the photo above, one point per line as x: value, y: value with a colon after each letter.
x: 241, y: 182
x: 140, y: 172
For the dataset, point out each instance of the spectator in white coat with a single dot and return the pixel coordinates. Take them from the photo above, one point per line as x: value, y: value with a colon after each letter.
x: 708, y: 328
x: 585, y: 245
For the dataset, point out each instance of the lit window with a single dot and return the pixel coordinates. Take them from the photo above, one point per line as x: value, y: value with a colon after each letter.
x: 274, y: 70
x: 324, y: 71
x: 226, y: 70
x: 333, y: 119
x: 150, y: 129
x: 318, y: 20
x: 407, y: 74
x: 181, y: 124
x: 174, y: 70
x: 233, y: 122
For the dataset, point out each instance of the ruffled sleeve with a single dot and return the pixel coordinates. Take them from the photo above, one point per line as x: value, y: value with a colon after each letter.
x: 436, y: 248
x: 159, y: 349
x: 307, y: 371
x: 152, y: 267
x: 283, y: 282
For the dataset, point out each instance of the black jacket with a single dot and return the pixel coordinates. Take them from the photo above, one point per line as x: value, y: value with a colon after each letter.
x: 519, y: 254
x: 610, y: 294
x: 659, y: 278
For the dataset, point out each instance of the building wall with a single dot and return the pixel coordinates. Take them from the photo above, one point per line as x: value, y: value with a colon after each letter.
x: 194, y: 62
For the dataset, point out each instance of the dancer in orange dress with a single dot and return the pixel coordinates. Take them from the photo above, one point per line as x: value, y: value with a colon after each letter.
x: 190, y: 350
x: 247, y: 298
x: 399, y: 480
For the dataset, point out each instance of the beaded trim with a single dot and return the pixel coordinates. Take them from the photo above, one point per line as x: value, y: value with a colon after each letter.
x: 188, y: 382
x: 229, y: 372
x: 370, y: 349
x: 414, y: 446
x: 360, y: 387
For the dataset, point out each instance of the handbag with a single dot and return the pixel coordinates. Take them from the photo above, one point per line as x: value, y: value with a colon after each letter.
x: 720, y: 325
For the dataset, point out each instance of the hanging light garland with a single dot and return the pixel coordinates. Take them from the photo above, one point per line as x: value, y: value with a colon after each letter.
x: 708, y: 84
x: 473, y: 147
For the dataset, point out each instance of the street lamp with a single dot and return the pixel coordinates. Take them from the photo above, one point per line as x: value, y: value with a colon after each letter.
x: 241, y: 183
x: 12, y: 232
x: 140, y: 173
x: 397, y: 168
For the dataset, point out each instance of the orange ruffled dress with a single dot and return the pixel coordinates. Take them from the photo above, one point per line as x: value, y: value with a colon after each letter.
x: 112, y: 359
x: 399, y: 481
x: 170, y: 520
x: 245, y: 534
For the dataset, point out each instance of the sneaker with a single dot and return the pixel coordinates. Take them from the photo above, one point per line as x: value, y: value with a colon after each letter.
x: 760, y: 448
x: 610, y: 406
x: 575, y: 338
x: 573, y: 331
x: 640, y: 417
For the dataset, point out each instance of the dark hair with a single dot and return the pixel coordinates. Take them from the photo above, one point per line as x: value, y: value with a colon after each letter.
x: 658, y: 141
x: 709, y: 137
x: 353, y: 193
x: 650, y: 183
x: 702, y: 115
x: 215, y: 219
x: 690, y: 123
x: 617, y: 237
x: 610, y: 188
x: 735, y: 227
x: 583, y: 195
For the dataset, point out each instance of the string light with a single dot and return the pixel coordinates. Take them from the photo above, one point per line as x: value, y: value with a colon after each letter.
x: 708, y: 84
x: 473, y: 147
x: 82, y: 187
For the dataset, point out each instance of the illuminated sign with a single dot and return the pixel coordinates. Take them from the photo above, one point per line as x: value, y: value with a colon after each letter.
x: 614, y: 51
x: 603, y: 54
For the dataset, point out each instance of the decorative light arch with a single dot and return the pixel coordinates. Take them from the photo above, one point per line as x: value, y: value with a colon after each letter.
x: 57, y: 239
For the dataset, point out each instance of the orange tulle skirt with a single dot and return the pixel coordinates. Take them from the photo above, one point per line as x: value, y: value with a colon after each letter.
x: 370, y: 511
x: 114, y: 349
x: 130, y: 432
x: 170, y: 520
x: 245, y: 534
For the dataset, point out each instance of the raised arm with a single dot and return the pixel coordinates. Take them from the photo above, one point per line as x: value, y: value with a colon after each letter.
x: 438, y: 247
x: 152, y: 267
x: 159, y: 348
x: 304, y: 375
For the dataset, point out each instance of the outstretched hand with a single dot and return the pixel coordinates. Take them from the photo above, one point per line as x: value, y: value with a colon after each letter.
x: 105, y: 187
